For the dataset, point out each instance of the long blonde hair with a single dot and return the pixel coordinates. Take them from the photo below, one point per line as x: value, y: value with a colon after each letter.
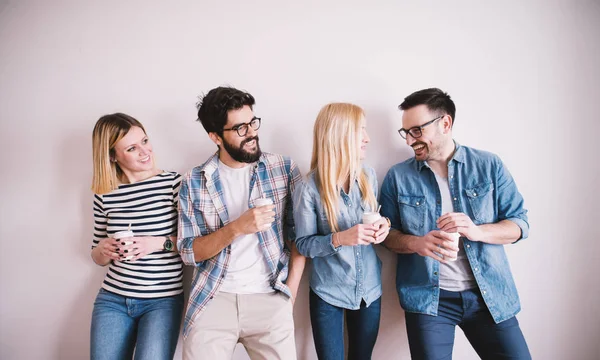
x: 336, y: 156
x: 108, y: 131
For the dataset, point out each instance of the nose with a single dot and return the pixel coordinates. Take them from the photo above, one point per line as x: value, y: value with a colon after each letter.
x: 410, y: 140
x: 145, y: 150
x: 251, y: 132
x: 365, y: 138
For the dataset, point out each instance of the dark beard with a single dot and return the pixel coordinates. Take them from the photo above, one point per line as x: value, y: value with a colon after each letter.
x: 241, y: 155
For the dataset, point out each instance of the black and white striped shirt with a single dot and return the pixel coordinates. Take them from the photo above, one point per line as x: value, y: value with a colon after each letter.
x: 150, y: 206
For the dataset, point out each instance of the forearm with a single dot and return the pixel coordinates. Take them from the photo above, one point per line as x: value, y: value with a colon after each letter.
x: 315, y: 245
x: 500, y: 233
x: 295, y: 269
x: 399, y: 242
x: 206, y: 247
x: 98, y: 258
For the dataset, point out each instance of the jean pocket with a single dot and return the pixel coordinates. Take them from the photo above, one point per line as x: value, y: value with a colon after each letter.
x: 412, y: 213
x: 481, y: 201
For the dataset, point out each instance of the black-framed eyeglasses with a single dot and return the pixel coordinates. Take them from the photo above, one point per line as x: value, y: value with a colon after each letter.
x: 417, y: 131
x: 242, y: 129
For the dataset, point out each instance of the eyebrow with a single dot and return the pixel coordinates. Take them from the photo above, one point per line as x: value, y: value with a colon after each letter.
x: 244, y: 123
x: 128, y: 146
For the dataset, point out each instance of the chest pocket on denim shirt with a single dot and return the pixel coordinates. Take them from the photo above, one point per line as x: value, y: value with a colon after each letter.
x: 412, y: 213
x: 481, y: 201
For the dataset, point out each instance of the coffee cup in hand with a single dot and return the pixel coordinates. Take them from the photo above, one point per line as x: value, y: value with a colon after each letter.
x: 370, y: 217
x: 455, y: 237
x: 262, y: 202
x: 121, y: 235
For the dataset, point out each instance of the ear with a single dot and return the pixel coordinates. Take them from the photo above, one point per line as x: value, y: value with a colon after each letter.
x: 215, y: 138
x: 447, y: 123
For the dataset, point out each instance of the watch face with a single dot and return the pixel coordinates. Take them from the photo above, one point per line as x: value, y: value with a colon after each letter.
x: 168, y: 245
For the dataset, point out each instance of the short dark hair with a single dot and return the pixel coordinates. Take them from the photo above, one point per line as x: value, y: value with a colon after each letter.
x: 213, y: 107
x: 435, y: 100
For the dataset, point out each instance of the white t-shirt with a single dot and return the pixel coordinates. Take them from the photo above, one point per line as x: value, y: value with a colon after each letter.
x: 454, y: 275
x: 248, y: 271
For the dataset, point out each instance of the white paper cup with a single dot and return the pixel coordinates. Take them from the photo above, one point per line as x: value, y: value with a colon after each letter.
x: 121, y: 235
x: 370, y: 217
x: 262, y: 202
x: 455, y: 237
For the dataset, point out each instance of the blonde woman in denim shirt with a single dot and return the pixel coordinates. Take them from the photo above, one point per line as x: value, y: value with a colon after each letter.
x: 346, y: 272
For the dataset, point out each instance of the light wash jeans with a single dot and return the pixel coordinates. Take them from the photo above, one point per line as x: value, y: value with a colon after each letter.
x: 121, y: 324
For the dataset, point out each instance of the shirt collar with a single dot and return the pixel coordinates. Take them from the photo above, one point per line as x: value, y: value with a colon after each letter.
x: 212, y: 164
x: 459, y: 156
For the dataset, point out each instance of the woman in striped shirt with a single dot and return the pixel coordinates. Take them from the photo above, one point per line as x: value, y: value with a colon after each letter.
x: 141, y: 300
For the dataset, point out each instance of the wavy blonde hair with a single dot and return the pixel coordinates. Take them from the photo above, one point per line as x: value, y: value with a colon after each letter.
x: 336, y: 156
x: 108, y: 130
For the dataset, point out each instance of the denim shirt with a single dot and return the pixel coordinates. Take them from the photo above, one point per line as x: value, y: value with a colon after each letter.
x: 342, y: 276
x: 482, y: 188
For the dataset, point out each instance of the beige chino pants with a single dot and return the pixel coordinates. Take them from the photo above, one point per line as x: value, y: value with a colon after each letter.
x: 263, y: 323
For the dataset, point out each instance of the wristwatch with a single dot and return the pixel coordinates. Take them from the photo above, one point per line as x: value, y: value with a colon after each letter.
x: 168, y: 244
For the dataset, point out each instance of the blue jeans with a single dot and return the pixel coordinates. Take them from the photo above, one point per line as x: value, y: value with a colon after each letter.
x: 328, y: 329
x: 432, y: 337
x: 121, y: 324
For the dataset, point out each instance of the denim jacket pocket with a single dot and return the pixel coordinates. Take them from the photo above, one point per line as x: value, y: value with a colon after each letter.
x: 412, y: 213
x: 481, y: 201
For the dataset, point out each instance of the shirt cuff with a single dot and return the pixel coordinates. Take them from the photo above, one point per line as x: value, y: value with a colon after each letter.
x: 186, y: 251
x: 524, y: 227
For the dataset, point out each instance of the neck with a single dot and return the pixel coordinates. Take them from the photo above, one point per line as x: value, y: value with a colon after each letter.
x: 133, y: 177
x: 440, y: 166
x: 226, y: 159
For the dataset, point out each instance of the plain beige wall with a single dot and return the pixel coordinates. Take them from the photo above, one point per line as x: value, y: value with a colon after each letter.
x: 524, y: 76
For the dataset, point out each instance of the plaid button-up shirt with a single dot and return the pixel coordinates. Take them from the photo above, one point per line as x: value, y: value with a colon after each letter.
x: 202, y: 211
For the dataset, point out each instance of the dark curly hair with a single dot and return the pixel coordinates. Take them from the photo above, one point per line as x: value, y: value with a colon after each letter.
x: 435, y: 99
x: 213, y: 107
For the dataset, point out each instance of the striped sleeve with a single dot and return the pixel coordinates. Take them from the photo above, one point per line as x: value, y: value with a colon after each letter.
x: 100, y: 221
x: 176, y: 187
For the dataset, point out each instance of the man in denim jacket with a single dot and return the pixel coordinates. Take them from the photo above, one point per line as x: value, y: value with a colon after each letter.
x: 447, y: 189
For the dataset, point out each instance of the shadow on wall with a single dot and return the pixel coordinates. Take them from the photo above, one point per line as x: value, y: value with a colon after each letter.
x: 74, y: 181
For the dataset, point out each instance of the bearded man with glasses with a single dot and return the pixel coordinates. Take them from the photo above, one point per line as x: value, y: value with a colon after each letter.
x: 450, y: 191
x: 240, y: 246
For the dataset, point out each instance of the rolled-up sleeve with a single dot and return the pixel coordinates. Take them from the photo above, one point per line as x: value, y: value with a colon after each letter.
x: 187, y: 227
x: 510, y: 201
x: 308, y: 241
x: 388, y: 199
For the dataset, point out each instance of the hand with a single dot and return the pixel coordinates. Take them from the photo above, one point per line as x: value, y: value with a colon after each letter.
x: 360, y: 234
x: 460, y: 223
x: 256, y: 219
x: 108, y: 248
x: 139, y: 246
x: 434, y: 244
x: 383, y: 230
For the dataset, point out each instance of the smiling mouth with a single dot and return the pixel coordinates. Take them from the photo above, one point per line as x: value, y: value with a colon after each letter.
x: 146, y: 159
x: 419, y: 147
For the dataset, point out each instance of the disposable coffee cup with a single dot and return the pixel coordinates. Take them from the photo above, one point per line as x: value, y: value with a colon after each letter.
x: 121, y: 235
x: 370, y: 217
x: 455, y: 237
x: 262, y: 202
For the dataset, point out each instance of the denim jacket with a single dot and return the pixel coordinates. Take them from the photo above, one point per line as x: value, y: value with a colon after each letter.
x: 342, y: 276
x: 482, y: 188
